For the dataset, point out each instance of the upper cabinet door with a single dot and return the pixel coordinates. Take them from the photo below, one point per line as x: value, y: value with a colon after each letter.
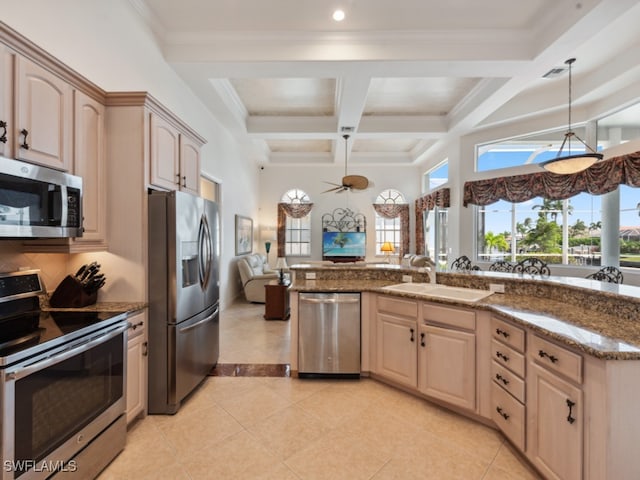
x: 89, y: 163
x: 6, y: 101
x: 44, y: 117
x: 165, y: 154
x: 189, y: 166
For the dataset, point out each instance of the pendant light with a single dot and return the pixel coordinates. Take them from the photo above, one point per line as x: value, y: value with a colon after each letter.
x: 567, y: 164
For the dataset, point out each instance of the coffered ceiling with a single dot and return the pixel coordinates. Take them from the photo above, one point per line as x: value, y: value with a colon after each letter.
x: 407, y: 76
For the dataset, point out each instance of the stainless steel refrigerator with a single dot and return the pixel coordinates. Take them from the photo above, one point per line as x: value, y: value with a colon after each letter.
x: 183, y: 296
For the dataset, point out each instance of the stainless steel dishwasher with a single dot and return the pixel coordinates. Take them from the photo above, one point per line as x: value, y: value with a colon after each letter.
x: 329, y: 334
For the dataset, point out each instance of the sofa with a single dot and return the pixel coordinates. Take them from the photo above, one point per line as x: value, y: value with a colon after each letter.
x: 255, y: 274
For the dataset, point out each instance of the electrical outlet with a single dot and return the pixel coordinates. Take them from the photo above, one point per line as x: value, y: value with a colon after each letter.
x: 496, y: 287
x: 310, y: 275
x: 407, y: 278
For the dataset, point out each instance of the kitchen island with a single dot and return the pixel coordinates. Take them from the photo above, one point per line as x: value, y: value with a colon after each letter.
x: 554, y: 362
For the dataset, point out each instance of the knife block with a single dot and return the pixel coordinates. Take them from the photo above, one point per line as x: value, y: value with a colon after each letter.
x: 70, y: 294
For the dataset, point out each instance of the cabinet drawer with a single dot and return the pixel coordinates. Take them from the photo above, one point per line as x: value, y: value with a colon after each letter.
x: 397, y: 306
x: 556, y: 358
x: 508, y: 333
x: 508, y: 380
x: 137, y: 324
x: 508, y: 414
x: 451, y: 317
x: 506, y: 356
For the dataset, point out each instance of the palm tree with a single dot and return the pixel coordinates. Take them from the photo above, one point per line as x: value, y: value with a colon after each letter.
x: 498, y: 242
x: 552, y: 208
x: 578, y: 228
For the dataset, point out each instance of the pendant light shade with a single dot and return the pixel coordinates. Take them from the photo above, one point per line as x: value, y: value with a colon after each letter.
x: 567, y: 164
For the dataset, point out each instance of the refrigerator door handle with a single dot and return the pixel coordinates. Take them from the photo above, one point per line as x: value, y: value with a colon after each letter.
x: 204, y: 250
x: 197, y: 324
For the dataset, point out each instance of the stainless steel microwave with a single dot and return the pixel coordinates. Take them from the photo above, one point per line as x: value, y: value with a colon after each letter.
x: 38, y: 202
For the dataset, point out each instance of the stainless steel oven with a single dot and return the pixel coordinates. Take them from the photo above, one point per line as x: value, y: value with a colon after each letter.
x: 62, y: 389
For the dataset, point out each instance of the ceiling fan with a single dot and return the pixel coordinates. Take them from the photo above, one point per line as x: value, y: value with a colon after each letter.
x: 349, y: 182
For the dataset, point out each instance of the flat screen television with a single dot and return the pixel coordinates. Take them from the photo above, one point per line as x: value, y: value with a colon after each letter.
x: 344, y: 246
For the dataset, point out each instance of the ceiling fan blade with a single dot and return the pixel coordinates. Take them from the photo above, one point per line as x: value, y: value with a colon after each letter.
x: 357, y: 182
x: 331, y: 183
x: 339, y: 187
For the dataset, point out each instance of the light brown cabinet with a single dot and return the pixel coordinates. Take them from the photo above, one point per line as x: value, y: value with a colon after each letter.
x: 555, y: 414
x: 42, y: 130
x: 508, y: 369
x: 396, y: 333
x: 137, y: 367
x: 175, y: 159
x: 6, y: 101
x: 447, y: 365
x: 89, y: 162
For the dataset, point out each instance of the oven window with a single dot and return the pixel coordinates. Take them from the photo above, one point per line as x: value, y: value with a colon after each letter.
x: 53, y: 404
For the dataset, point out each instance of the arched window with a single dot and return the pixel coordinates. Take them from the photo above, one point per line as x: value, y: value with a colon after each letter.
x: 294, y: 224
x: 388, y: 220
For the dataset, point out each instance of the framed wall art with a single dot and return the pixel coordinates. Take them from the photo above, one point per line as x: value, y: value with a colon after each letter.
x: 244, y: 235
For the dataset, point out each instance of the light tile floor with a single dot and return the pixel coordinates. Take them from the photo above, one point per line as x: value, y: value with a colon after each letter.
x: 288, y: 428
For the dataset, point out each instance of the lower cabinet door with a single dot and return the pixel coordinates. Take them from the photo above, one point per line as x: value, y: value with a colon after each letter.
x: 554, y: 425
x: 447, y: 365
x: 508, y: 415
x: 136, y: 376
x: 396, y: 354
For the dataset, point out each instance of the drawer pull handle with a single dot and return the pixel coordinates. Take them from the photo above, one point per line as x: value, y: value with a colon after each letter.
x: 422, y: 344
x: 3, y: 125
x: 502, y: 356
x: 543, y: 354
x: 24, y: 144
x: 412, y: 332
x: 502, y: 379
x: 570, y: 404
x: 184, y: 181
x: 502, y: 414
x: 133, y: 326
x: 502, y: 332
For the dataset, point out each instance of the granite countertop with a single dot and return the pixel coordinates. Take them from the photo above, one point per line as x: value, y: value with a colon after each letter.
x: 604, y: 336
x: 129, y: 307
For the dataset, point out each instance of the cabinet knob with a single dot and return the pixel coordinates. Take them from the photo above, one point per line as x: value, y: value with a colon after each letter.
x: 24, y: 143
x: 570, y: 404
x: 502, y: 414
x: 543, y: 354
x: 502, y: 332
x: 502, y: 356
x: 3, y: 137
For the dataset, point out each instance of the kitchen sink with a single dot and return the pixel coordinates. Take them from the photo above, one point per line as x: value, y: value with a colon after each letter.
x: 440, y: 291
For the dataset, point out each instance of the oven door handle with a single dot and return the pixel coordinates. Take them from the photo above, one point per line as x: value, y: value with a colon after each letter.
x: 65, y: 354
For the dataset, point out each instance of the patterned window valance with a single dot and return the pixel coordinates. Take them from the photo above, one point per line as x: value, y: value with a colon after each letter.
x: 295, y: 210
x: 439, y: 198
x: 602, y: 177
x: 389, y: 210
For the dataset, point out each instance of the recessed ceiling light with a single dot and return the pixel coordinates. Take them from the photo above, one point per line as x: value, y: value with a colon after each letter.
x: 338, y: 15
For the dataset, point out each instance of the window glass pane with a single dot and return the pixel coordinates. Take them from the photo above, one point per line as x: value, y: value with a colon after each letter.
x: 629, y: 226
x: 536, y: 228
x: 439, y: 176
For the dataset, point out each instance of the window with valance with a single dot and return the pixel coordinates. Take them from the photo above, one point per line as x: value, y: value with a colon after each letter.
x: 392, y: 221
x: 440, y: 198
x: 294, y: 224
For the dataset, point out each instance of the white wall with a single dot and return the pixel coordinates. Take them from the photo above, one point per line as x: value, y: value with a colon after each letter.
x: 106, y: 42
x: 276, y: 180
